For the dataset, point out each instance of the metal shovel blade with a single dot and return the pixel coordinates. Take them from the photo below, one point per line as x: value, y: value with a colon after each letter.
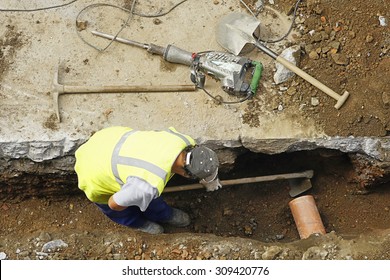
x: 235, y: 32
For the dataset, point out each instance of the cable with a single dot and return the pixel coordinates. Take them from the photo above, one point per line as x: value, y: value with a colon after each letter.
x: 225, y: 102
x: 288, y: 31
x: 160, y: 14
x: 131, y: 13
x: 249, y: 9
x: 117, y: 33
x: 38, y: 9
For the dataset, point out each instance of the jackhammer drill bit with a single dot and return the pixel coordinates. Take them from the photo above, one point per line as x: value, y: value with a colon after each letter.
x: 171, y: 53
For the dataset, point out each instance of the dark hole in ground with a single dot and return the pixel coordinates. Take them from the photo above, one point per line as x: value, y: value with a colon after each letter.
x: 260, y: 210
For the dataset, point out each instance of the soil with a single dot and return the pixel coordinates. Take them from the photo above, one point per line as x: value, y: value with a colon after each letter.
x: 253, y: 221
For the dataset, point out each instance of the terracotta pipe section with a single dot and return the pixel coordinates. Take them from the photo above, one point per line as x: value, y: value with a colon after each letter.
x: 306, y: 216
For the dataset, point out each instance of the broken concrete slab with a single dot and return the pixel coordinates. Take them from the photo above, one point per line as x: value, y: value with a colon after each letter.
x: 45, y: 42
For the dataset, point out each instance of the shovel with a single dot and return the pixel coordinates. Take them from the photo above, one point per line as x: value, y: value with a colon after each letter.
x: 235, y: 33
x: 299, y: 182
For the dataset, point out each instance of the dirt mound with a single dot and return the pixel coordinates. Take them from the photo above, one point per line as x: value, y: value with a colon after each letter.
x: 346, y: 47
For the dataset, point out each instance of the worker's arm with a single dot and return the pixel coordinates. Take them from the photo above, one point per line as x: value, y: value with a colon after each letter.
x: 114, y: 206
x: 135, y: 192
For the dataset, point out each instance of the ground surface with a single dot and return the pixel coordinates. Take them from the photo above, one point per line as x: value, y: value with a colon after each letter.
x: 258, y: 215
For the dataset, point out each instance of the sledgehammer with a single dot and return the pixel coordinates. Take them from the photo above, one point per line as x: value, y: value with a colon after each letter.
x: 58, y: 89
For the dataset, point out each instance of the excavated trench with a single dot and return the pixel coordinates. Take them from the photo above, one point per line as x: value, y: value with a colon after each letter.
x: 258, y: 211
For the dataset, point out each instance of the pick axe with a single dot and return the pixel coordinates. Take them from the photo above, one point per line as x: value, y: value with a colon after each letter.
x: 58, y: 89
x: 299, y: 182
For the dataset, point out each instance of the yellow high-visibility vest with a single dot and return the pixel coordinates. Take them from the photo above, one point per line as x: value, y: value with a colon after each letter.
x: 111, y: 155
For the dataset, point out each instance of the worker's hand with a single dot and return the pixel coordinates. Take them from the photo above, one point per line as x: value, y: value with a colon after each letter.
x: 211, y: 186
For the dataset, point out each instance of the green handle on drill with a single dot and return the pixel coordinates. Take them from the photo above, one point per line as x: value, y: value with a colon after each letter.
x: 256, y: 76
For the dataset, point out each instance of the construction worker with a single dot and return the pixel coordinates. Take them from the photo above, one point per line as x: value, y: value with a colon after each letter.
x: 124, y: 172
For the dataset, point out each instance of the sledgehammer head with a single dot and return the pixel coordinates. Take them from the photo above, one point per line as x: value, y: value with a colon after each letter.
x: 56, y: 90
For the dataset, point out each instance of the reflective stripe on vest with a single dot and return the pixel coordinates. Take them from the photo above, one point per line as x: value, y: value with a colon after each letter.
x: 128, y: 161
x: 188, y: 143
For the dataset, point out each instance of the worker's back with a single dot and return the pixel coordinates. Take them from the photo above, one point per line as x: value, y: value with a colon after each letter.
x: 93, y: 164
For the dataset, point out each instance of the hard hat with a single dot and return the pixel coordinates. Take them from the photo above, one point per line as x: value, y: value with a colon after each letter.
x: 201, y: 162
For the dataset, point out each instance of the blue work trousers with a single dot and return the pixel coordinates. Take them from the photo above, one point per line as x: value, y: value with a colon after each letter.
x: 157, y: 211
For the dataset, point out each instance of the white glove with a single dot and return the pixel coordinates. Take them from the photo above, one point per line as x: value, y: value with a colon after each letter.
x: 211, y: 186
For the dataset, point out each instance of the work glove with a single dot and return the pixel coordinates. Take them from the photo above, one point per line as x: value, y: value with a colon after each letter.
x: 213, y: 183
x: 211, y: 186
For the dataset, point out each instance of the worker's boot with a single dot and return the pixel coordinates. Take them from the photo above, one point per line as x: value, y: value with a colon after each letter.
x: 179, y: 218
x: 151, y: 227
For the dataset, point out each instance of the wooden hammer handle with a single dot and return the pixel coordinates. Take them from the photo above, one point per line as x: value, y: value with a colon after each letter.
x: 68, y: 89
